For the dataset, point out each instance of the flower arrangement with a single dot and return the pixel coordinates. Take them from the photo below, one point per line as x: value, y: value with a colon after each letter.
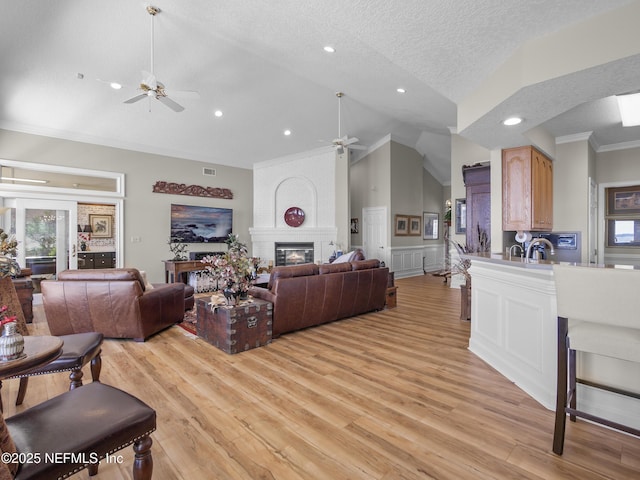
x: 4, y: 319
x: 235, y: 268
x: 8, y: 244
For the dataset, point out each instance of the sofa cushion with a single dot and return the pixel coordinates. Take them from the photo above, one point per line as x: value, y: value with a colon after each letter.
x: 365, y: 264
x: 291, y: 271
x: 103, y: 274
x: 334, y: 268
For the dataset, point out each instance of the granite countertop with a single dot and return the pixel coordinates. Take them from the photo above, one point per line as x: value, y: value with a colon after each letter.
x: 516, y: 261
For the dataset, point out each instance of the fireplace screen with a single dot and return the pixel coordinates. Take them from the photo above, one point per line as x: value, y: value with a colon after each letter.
x: 293, y: 253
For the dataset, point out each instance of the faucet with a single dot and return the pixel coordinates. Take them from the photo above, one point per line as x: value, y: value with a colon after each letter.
x: 513, y: 246
x: 539, y: 240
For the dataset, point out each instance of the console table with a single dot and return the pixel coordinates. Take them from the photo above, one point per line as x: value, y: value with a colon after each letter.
x: 174, y: 269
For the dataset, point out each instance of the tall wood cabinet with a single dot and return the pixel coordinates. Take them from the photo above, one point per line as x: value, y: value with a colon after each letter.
x: 477, y: 180
x: 527, y: 190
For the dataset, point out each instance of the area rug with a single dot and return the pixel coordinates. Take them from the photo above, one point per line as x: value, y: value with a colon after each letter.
x: 189, y: 321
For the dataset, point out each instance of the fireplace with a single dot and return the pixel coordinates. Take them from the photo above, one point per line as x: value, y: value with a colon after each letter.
x: 293, y: 253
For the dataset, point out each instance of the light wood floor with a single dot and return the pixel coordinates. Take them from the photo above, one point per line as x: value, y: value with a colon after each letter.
x: 388, y: 395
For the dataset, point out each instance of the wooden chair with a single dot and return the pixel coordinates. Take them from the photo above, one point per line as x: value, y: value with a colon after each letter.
x: 78, y: 350
x: 598, y: 314
x: 78, y: 430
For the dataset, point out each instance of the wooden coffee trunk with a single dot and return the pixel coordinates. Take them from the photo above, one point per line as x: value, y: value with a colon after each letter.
x: 235, y: 329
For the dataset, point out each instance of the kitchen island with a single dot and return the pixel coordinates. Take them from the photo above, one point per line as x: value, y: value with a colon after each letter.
x: 514, y: 329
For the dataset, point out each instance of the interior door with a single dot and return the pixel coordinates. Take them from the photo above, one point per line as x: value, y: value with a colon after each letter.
x: 374, y: 233
x: 46, y: 231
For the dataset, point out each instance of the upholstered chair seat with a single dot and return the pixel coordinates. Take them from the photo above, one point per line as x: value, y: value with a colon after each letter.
x: 598, y: 314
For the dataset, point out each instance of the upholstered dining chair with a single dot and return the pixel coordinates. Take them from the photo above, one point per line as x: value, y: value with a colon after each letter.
x: 78, y: 350
x: 598, y: 313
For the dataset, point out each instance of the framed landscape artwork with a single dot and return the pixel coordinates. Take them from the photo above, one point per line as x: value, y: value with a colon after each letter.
x: 415, y: 225
x: 401, y: 225
x: 100, y: 226
x: 431, y: 226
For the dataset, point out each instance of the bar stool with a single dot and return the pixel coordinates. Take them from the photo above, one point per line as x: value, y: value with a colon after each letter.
x: 598, y: 313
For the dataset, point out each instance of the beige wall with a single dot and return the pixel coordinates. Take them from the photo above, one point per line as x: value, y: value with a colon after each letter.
x: 146, y: 214
x: 369, y: 185
x: 406, y: 189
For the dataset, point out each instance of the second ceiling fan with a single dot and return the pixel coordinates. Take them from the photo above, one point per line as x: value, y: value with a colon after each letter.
x: 343, y: 142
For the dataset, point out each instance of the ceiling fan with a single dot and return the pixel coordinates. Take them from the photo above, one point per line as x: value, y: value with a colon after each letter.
x: 150, y: 86
x: 343, y: 142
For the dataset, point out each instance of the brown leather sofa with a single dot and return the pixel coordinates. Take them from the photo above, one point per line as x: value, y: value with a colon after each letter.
x: 111, y: 301
x: 308, y: 294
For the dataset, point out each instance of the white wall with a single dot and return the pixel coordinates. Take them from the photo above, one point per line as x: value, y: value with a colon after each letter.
x: 311, y: 181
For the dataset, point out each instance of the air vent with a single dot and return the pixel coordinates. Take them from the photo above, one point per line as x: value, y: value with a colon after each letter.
x: 209, y: 171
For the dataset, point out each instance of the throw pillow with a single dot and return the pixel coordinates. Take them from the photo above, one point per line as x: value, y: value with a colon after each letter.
x: 147, y: 285
x: 344, y: 258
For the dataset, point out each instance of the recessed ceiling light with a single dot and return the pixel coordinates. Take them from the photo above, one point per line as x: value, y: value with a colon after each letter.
x: 401, y: 90
x: 512, y: 121
x: 329, y: 49
x: 115, y: 85
x: 287, y: 133
x: 218, y: 113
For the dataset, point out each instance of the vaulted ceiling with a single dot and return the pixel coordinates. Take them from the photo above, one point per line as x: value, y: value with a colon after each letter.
x: 262, y: 64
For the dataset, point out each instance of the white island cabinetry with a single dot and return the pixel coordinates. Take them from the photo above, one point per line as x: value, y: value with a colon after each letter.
x: 514, y: 329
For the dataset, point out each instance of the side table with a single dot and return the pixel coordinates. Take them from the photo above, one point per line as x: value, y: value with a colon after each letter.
x: 24, y: 289
x: 238, y: 328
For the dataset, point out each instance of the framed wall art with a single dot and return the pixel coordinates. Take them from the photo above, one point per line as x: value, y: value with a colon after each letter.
x: 101, y: 225
x: 431, y: 226
x: 623, y: 200
x: 401, y: 225
x: 415, y: 225
x: 354, y: 225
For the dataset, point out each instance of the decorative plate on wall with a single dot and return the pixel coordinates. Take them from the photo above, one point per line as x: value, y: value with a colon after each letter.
x: 294, y: 216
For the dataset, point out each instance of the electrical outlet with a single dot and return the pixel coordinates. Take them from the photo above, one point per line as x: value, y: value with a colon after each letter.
x: 136, y: 239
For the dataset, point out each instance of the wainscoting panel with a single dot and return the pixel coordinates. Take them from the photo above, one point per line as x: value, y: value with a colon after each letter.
x: 413, y: 261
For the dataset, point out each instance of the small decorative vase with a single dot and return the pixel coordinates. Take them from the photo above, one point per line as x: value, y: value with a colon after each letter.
x: 11, y: 343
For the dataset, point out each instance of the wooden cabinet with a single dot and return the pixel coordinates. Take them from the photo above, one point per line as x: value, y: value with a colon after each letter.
x: 96, y: 260
x: 477, y: 180
x: 527, y: 190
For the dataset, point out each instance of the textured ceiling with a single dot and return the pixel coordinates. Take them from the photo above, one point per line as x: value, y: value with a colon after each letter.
x: 262, y: 64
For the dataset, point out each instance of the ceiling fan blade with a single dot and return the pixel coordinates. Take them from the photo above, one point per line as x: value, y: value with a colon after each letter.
x: 349, y: 141
x: 358, y: 147
x: 184, y: 94
x: 171, y: 104
x: 137, y: 98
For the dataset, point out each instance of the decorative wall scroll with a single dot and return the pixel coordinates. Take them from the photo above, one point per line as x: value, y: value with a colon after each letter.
x: 192, y: 190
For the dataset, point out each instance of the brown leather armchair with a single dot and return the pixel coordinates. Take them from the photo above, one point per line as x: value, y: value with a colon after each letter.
x: 112, y: 301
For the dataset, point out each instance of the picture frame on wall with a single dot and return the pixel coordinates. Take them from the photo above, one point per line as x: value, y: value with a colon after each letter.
x: 431, y: 222
x: 354, y: 225
x: 461, y: 215
x: 101, y: 226
x: 415, y: 225
x: 401, y: 225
